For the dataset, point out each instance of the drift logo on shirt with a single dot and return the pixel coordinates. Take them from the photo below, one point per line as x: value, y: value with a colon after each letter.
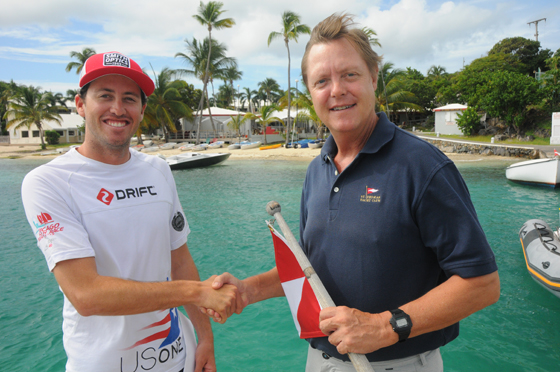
x: 150, y: 357
x: 106, y: 197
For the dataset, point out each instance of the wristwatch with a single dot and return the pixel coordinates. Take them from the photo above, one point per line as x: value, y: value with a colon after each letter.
x: 401, y: 324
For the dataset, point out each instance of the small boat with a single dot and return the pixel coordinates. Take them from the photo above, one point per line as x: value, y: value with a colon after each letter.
x: 540, y: 172
x: 298, y: 144
x: 200, y: 147
x: 250, y: 145
x: 150, y: 149
x: 194, y: 160
x: 168, y: 146
x: 541, y: 248
x: 317, y: 144
x: 234, y: 146
x: 270, y: 147
x: 216, y: 145
x: 186, y: 147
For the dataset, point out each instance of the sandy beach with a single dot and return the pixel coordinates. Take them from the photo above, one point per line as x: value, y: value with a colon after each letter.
x: 307, y: 154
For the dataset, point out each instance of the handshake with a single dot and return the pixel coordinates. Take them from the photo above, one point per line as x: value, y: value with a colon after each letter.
x: 222, y: 296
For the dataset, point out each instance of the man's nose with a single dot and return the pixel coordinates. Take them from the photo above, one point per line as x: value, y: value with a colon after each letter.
x: 338, y: 88
x: 117, y: 107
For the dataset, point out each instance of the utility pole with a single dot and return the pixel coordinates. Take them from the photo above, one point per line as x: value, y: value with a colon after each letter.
x: 537, y: 27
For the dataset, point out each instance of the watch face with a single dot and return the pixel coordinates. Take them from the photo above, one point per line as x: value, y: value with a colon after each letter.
x: 402, y: 323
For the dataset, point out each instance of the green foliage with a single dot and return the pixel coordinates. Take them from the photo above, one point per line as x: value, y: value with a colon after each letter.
x: 507, y: 95
x: 81, y: 57
x: 469, y: 121
x: 525, y: 55
x: 28, y: 106
x: 52, y: 137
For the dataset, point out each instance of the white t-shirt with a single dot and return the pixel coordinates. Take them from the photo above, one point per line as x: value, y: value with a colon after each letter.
x: 130, y: 219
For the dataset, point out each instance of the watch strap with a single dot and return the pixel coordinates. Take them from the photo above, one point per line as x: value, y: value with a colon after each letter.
x: 403, y: 330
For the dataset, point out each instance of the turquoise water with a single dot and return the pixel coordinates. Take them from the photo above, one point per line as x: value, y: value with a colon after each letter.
x: 225, y: 207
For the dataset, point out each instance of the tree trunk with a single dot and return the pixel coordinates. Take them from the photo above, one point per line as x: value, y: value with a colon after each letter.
x: 289, y: 95
x: 210, y: 114
x: 43, y: 146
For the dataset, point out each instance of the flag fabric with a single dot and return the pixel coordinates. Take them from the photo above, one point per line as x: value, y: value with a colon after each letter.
x: 556, y: 153
x: 303, y: 303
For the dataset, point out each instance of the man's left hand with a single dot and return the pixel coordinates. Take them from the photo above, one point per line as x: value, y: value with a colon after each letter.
x: 353, y: 331
x: 204, y: 357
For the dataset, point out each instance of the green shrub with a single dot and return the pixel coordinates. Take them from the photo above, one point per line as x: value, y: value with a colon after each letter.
x: 469, y: 121
x: 52, y: 137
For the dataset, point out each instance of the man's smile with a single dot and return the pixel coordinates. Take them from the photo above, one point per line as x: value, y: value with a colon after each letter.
x: 340, y: 108
x: 116, y: 124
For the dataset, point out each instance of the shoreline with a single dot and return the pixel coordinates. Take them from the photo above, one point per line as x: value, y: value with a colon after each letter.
x: 307, y: 154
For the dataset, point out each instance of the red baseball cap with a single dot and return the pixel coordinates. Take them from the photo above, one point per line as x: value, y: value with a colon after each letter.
x: 118, y: 64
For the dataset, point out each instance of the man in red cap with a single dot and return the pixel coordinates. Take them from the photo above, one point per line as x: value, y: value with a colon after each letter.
x: 113, y: 232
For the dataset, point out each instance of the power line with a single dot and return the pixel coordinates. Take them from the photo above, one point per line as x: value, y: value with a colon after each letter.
x: 537, y: 27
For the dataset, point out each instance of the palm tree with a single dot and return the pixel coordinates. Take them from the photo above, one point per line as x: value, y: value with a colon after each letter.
x: 30, y: 106
x: 208, y: 15
x: 291, y: 30
x: 371, y: 36
x: 394, y: 96
x: 248, y: 96
x: 264, y: 117
x: 307, y: 112
x: 437, y: 71
x: 269, y: 86
x: 81, y: 57
x: 197, y: 58
x: 225, y: 95
x: 236, y: 122
x: 231, y: 74
x: 165, y: 106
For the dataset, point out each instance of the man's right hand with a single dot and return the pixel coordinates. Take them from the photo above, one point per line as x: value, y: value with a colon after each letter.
x: 221, y: 283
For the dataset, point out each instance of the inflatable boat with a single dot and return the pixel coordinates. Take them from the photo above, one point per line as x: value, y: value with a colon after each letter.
x: 541, y: 248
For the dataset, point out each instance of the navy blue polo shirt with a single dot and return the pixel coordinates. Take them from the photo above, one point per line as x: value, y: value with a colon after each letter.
x: 393, y: 225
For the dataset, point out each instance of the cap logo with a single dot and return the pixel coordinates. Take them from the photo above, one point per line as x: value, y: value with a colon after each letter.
x: 116, y: 59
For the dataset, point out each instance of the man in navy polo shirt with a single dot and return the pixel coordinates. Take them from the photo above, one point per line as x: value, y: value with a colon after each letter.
x: 386, y: 221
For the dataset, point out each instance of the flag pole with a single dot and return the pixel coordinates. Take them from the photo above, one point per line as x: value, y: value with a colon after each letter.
x: 359, y: 361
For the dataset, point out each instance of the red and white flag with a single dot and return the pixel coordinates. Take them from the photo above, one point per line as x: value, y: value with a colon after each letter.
x: 303, y: 303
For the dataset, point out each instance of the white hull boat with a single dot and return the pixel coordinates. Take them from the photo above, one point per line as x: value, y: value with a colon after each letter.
x: 168, y: 146
x: 234, y: 146
x: 201, y: 147
x: 541, y: 172
x: 194, y: 160
x: 250, y: 145
x: 317, y: 144
x: 216, y: 145
x: 150, y: 149
x: 186, y: 147
x: 541, y: 249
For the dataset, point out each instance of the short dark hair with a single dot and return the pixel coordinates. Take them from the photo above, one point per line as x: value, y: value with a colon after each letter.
x: 83, y: 92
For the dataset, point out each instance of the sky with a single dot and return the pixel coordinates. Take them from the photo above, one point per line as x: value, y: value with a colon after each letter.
x: 37, y: 36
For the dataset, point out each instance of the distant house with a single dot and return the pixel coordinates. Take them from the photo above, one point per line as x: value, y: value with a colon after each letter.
x: 446, y: 118
x: 68, y: 130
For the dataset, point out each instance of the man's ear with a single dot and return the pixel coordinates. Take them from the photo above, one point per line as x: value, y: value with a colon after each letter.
x: 375, y: 78
x: 80, y: 106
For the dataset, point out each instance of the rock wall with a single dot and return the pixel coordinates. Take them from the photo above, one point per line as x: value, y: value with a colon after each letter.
x: 451, y: 146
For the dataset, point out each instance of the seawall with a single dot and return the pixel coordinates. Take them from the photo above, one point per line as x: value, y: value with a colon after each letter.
x: 462, y: 147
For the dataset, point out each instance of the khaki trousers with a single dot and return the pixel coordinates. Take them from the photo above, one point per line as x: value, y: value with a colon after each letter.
x: 430, y: 361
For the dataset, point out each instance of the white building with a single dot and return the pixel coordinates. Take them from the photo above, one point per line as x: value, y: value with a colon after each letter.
x: 68, y: 130
x: 446, y: 118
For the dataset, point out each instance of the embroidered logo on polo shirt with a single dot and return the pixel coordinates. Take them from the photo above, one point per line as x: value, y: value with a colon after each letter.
x: 370, y: 196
